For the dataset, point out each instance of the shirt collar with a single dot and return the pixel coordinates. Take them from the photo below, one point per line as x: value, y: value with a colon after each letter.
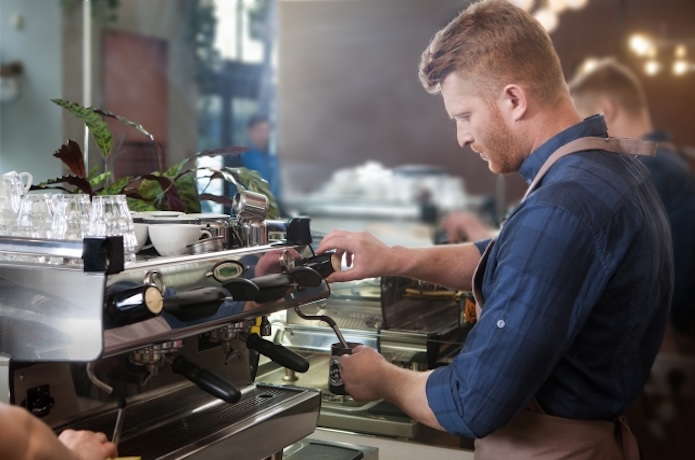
x: 594, y: 125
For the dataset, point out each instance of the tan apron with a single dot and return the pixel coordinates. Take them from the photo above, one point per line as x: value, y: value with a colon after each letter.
x: 534, y: 434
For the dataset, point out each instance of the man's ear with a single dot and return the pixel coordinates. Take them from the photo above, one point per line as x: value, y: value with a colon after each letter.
x: 609, y: 108
x: 514, y: 102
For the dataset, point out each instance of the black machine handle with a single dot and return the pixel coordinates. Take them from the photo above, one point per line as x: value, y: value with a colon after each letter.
x: 206, y: 380
x: 325, y: 263
x: 272, y: 287
x: 132, y: 304
x: 196, y: 303
x: 281, y: 355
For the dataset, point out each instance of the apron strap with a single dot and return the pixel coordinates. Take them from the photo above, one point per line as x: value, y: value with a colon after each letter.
x: 608, y: 144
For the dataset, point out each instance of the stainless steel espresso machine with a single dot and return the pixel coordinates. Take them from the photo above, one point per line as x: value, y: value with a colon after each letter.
x: 412, y: 324
x: 161, y: 353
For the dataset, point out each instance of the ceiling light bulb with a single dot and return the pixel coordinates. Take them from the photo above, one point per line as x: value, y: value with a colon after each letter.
x: 641, y: 45
x: 557, y: 6
x: 680, y: 52
x: 525, y: 5
x: 576, y: 4
x: 547, y: 18
x: 680, y: 67
x: 652, y: 67
x: 588, y: 65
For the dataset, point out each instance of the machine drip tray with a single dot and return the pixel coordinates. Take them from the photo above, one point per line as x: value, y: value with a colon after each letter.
x: 183, y: 421
x: 318, y: 450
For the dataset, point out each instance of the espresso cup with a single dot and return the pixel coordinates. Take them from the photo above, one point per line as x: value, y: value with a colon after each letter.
x: 141, y: 235
x: 335, y: 380
x: 172, y: 239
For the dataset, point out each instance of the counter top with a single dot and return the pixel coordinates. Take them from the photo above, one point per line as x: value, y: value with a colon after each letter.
x: 393, y: 449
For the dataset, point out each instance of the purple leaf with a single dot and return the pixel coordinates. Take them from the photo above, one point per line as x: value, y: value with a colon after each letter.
x: 70, y: 154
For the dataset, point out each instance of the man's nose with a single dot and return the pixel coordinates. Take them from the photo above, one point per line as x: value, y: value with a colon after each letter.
x: 464, y: 139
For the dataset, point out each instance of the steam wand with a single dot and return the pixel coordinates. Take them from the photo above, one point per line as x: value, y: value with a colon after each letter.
x: 120, y: 402
x: 325, y: 319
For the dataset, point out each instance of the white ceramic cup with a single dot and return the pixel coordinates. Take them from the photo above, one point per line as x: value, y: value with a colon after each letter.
x: 172, y: 239
x: 23, y: 176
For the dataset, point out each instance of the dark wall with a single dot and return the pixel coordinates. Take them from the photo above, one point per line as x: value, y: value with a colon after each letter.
x: 349, y: 92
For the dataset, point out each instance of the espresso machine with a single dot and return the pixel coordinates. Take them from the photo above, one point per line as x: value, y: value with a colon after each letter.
x: 413, y: 324
x: 161, y: 354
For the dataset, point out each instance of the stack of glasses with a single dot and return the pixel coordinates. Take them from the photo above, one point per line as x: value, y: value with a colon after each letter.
x: 70, y: 217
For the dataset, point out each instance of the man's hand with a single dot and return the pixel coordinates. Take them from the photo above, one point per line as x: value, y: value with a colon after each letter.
x: 368, y: 376
x: 365, y: 255
x: 362, y: 373
x: 88, y: 445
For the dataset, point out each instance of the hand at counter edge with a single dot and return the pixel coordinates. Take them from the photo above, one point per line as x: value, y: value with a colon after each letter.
x: 24, y: 436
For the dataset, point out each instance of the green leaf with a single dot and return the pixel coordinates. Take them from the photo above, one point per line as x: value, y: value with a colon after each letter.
x: 188, y: 192
x: 117, y: 187
x: 150, y: 190
x: 95, y: 123
x: 134, y: 125
x: 99, y: 179
x: 176, y: 169
x: 125, y: 121
x: 140, y: 205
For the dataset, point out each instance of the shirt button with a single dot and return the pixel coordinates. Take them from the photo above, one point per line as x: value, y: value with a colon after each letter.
x: 501, y: 324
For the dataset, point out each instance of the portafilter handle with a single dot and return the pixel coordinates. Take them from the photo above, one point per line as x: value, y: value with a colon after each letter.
x: 206, y: 380
x: 277, y: 353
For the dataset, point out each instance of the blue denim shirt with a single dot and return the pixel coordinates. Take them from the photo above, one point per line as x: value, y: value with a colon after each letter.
x: 576, y: 292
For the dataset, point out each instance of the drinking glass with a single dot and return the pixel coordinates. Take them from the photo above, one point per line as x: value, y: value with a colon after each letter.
x: 109, y: 216
x: 70, y: 221
x: 11, y: 189
x: 34, y: 220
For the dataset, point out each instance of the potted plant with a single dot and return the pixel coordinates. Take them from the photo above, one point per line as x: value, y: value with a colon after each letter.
x: 172, y: 189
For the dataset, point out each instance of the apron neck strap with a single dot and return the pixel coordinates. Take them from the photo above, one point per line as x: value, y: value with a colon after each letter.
x: 608, y: 144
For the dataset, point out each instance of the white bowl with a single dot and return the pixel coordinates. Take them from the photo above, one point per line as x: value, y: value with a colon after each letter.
x: 141, y: 233
x: 172, y: 239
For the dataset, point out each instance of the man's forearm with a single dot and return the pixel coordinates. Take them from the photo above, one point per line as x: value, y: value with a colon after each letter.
x: 25, y: 437
x: 449, y: 265
x: 406, y: 389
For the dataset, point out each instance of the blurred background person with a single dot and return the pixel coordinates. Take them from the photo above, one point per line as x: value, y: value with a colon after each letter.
x: 259, y: 156
x: 464, y: 226
x: 609, y: 87
x: 25, y: 437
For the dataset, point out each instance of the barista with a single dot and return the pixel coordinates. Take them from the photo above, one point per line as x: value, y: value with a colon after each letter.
x: 25, y: 437
x: 574, y: 292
